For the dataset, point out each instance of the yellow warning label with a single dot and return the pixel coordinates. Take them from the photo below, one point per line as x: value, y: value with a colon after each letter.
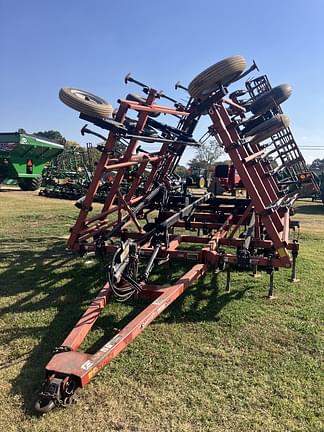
x: 93, y: 372
x: 282, y: 252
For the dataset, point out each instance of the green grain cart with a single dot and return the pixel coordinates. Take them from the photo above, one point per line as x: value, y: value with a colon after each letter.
x: 23, y: 156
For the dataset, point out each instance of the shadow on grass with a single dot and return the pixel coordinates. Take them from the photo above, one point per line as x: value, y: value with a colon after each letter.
x: 40, y: 284
x: 187, y: 308
x: 201, y: 302
x: 314, y: 209
x: 46, y: 283
x: 10, y: 189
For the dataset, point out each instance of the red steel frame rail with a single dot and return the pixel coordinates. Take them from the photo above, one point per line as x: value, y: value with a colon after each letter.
x: 260, y: 186
x: 83, y: 366
x: 258, y: 183
x: 85, y: 226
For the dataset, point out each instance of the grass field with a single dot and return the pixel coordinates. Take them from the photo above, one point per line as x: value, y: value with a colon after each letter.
x: 214, y: 361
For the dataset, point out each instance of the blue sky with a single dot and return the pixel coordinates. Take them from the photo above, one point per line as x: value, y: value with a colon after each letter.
x: 92, y: 45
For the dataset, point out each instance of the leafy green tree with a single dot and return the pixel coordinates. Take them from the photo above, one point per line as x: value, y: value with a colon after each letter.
x: 71, y: 144
x: 52, y: 135
x: 317, y: 166
x: 195, y: 164
x: 206, y: 155
x: 181, y: 171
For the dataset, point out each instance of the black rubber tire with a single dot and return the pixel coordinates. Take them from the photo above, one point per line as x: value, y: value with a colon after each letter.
x: 137, y: 98
x: 276, y: 96
x: 223, y: 72
x: 85, y: 102
x: 189, y: 181
x: 30, y: 184
x: 269, y: 127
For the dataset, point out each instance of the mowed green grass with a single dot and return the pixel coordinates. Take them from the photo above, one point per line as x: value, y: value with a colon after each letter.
x: 214, y: 361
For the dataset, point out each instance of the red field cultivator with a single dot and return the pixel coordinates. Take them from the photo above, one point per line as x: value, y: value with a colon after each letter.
x: 150, y: 221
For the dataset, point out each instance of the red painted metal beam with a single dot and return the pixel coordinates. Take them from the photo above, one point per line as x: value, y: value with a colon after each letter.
x: 84, y: 366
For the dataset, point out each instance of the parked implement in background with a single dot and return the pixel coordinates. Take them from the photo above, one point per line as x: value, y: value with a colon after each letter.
x: 321, y: 185
x: 69, y: 174
x: 23, y: 156
x: 225, y: 178
x: 217, y: 179
x: 197, y: 177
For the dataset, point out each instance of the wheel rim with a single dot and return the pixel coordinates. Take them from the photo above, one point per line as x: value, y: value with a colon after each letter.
x: 85, y: 102
x: 201, y: 182
x: 89, y: 97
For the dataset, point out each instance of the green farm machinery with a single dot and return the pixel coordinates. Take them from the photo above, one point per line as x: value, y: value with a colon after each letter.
x: 23, y: 157
x: 69, y: 174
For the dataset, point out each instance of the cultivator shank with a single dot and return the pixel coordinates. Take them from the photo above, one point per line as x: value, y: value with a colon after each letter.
x: 155, y: 219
